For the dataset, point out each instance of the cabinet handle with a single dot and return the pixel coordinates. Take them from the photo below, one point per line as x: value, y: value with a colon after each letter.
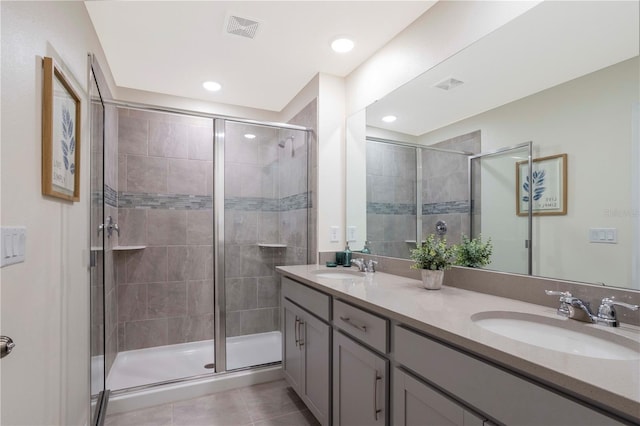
x: 295, y: 331
x: 349, y: 322
x: 300, y: 341
x: 376, y: 410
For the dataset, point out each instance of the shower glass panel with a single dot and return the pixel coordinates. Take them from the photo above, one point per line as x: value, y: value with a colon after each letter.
x: 265, y: 224
x: 493, y: 208
x: 97, y: 240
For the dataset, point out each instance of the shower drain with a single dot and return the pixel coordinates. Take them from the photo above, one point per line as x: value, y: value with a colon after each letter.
x: 210, y: 365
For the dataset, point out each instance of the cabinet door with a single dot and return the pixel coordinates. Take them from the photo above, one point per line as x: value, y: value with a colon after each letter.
x: 359, y: 384
x: 316, y: 344
x: 416, y: 404
x: 292, y: 355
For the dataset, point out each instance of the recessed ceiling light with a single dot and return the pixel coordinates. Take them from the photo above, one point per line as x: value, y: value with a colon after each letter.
x: 212, y: 86
x: 342, y: 45
x: 389, y: 118
x: 250, y: 136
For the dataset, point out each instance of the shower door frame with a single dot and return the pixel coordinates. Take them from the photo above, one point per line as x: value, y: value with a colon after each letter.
x: 219, y: 287
x: 218, y: 141
x: 501, y: 151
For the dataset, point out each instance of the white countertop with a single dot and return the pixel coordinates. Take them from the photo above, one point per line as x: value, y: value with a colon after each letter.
x: 446, y: 314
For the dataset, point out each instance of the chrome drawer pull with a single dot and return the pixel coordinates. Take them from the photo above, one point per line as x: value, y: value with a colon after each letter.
x: 359, y: 327
x: 301, y: 341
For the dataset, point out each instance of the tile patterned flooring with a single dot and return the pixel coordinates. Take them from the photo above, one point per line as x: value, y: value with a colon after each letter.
x: 267, y: 404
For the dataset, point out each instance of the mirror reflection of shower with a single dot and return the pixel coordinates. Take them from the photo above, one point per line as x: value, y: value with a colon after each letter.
x: 283, y: 143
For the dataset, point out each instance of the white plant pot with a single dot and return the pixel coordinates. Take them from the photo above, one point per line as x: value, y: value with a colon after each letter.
x: 432, y: 280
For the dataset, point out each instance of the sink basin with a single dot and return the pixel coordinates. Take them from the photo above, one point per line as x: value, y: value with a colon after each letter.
x: 561, y: 335
x: 338, y: 274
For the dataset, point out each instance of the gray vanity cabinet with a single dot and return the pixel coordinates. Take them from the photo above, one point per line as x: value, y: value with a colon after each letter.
x: 359, y: 384
x: 417, y: 404
x: 306, y: 353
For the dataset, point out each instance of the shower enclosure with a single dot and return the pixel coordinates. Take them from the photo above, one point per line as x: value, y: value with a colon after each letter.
x: 414, y: 191
x: 196, y: 215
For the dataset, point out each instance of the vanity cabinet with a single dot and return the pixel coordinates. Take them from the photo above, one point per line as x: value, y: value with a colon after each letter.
x: 359, y: 384
x: 505, y: 397
x: 306, y: 353
x: 416, y: 403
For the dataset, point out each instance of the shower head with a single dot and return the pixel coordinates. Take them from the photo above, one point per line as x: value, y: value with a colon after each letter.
x: 283, y: 142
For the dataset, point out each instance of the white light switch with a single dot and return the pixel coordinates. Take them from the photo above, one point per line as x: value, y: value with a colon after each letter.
x: 603, y: 235
x: 351, y: 234
x: 334, y: 234
x: 14, y: 242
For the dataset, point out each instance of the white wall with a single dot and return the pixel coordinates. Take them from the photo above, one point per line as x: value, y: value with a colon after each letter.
x: 590, y: 119
x: 331, y: 160
x: 45, y: 301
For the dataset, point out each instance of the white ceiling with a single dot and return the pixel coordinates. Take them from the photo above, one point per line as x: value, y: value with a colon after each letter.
x: 171, y: 47
x: 550, y: 44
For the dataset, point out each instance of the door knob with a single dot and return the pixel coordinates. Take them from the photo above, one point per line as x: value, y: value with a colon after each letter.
x: 6, y: 346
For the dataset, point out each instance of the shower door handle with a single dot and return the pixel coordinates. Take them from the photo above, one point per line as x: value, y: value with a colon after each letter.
x: 6, y: 346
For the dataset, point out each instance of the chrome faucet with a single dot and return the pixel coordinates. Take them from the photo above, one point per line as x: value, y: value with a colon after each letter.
x: 606, y: 312
x: 365, y: 265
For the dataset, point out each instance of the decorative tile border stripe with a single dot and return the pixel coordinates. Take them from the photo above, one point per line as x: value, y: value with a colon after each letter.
x: 110, y: 196
x: 391, y: 208
x: 461, y: 206
x: 129, y: 200
x: 293, y: 202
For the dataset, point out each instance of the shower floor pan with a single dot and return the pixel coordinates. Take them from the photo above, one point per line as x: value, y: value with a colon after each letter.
x: 159, y: 364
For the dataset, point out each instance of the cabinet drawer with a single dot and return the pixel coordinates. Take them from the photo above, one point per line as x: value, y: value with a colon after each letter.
x: 312, y: 300
x: 362, y: 325
x: 500, y: 394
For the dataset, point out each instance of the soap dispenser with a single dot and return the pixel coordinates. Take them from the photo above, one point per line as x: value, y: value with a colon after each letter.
x: 347, y: 256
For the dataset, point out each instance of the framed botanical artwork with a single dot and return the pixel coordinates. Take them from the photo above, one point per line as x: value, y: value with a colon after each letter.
x: 60, y: 135
x: 547, y: 189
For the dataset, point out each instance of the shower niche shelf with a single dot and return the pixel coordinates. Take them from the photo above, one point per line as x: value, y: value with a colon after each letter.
x: 271, y: 245
x: 125, y: 248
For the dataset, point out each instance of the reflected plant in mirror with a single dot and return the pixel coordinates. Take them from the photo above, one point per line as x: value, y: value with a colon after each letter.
x: 473, y: 253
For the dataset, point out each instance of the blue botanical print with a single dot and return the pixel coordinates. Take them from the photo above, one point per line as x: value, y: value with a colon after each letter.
x: 537, y: 178
x: 68, y: 142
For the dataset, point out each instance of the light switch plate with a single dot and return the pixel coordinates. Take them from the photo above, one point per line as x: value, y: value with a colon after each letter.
x: 13, y: 240
x: 603, y: 235
x: 351, y: 234
x: 334, y: 234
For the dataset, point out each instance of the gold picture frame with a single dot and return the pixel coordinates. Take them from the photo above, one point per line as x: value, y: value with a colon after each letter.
x: 60, y: 135
x: 549, y: 186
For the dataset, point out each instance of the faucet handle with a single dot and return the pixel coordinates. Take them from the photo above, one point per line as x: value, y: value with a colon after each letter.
x: 609, y: 301
x: 607, y: 312
x: 558, y: 293
x: 565, y: 297
x: 371, y: 265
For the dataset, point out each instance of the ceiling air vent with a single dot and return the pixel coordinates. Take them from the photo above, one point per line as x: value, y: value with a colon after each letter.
x: 449, y: 84
x: 242, y: 27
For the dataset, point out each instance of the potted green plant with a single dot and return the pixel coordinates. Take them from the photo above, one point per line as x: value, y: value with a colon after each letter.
x: 433, y: 256
x: 473, y: 253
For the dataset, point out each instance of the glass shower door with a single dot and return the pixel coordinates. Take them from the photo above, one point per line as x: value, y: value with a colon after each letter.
x: 492, y: 187
x: 264, y: 191
x: 97, y: 289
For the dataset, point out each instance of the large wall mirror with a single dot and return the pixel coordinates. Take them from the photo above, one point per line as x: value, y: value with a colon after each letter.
x: 564, y: 76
